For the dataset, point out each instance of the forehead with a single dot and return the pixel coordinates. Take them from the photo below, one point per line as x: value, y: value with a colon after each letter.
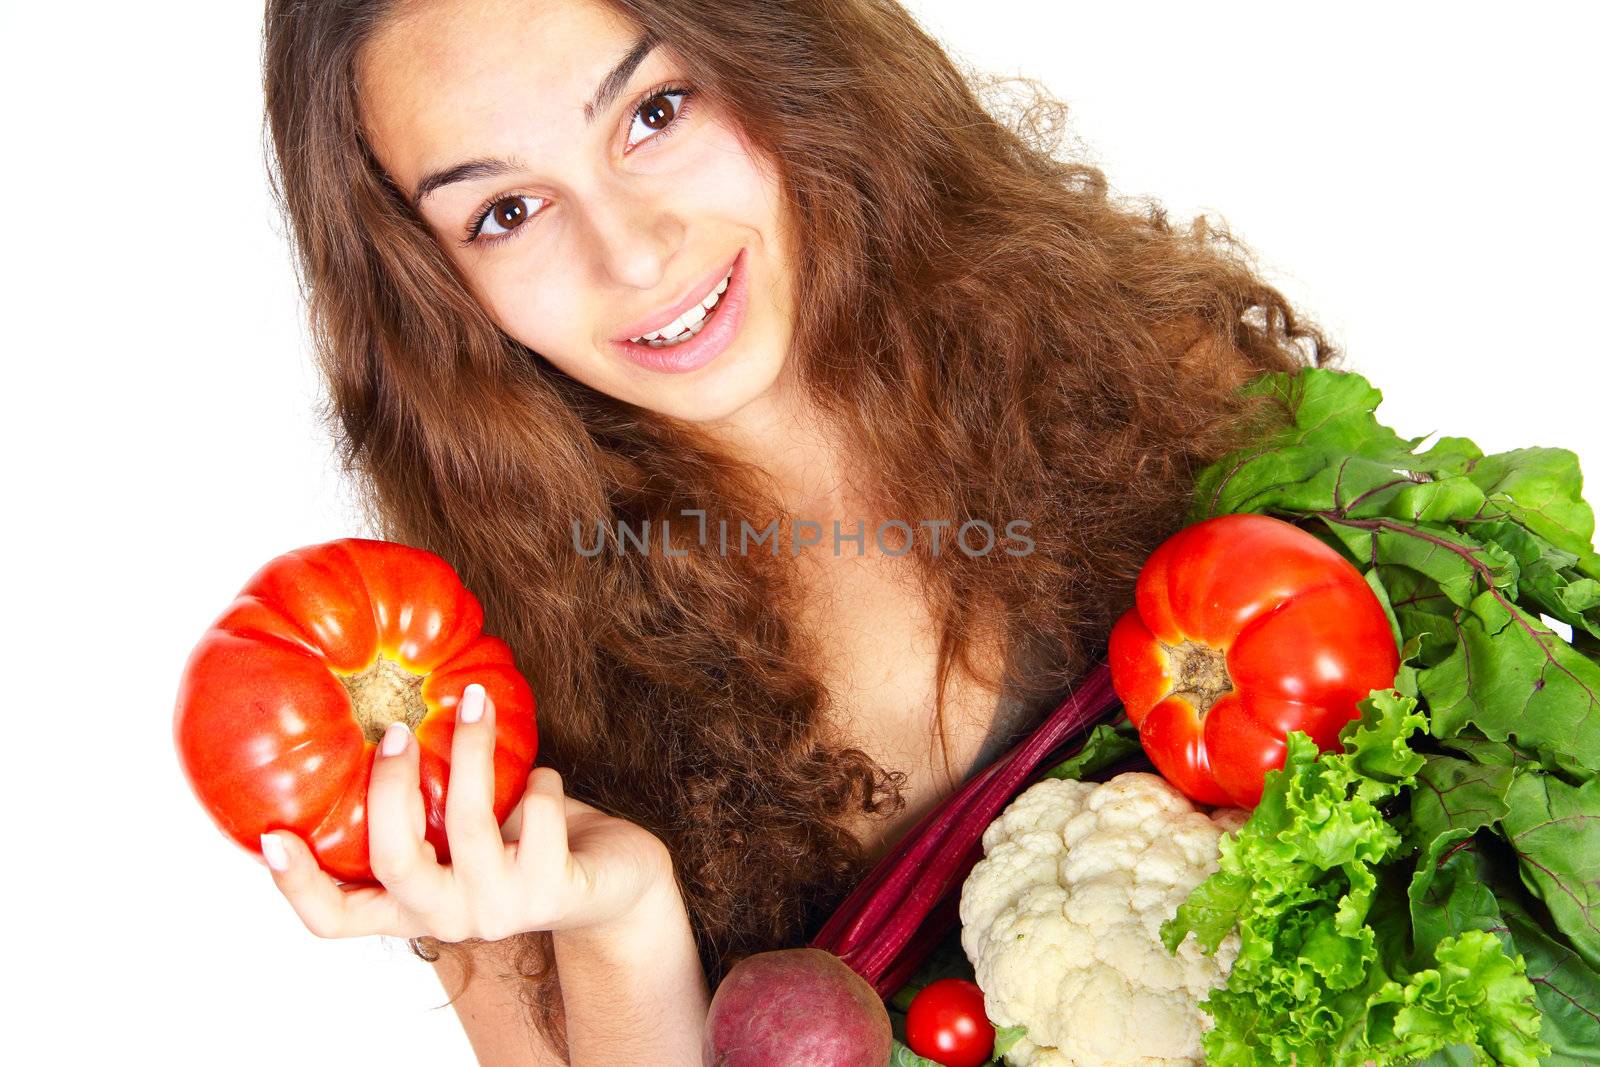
x: 444, y: 80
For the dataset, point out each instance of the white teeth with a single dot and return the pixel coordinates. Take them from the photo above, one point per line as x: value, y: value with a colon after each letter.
x: 682, y: 323
x: 680, y: 339
x: 688, y: 324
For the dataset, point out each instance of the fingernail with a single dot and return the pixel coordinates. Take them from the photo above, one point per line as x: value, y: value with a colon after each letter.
x: 394, y: 739
x: 471, y: 707
x: 274, y: 853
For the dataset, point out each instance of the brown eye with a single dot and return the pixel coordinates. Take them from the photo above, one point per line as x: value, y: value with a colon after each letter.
x: 658, y: 111
x: 505, y: 215
x: 657, y: 115
x: 509, y: 213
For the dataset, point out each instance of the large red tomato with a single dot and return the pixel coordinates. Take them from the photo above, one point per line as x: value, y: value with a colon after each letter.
x: 283, y: 701
x: 1245, y: 627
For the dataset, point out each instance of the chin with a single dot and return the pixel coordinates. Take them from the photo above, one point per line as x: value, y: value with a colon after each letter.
x: 720, y: 396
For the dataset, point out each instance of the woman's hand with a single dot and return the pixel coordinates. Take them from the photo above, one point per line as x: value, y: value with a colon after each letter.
x: 557, y: 864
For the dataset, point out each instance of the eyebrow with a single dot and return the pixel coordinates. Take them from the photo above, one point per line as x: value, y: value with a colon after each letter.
x: 488, y: 167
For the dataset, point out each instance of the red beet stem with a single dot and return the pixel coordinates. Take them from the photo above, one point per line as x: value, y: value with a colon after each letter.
x: 960, y: 846
x: 944, y: 917
x: 860, y: 918
x: 878, y: 923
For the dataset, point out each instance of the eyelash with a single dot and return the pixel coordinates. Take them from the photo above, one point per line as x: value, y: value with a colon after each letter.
x: 481, y: 215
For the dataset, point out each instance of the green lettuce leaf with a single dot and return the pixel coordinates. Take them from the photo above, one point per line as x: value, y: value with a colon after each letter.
x: 1475, y: 887
x: 1310, y: 883
x: 1477, y: 996
x: 1431, y: 892
x: 1378, y: 743
x: 902, y: 1056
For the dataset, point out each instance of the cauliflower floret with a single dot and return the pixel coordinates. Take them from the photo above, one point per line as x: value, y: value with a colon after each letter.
x: 1062, y: 922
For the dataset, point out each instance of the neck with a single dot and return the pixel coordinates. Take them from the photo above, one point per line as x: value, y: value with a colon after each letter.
x: 784, y: 435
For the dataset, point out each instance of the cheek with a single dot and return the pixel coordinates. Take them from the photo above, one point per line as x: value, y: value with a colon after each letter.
x: 537, y: 311
x: 725, y: 178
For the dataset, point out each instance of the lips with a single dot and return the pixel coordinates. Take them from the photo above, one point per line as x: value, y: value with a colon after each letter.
x: 667, y: 315
x: 715, y: 334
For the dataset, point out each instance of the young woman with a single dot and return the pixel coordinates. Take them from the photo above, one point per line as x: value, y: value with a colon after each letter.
x: 707, y: 263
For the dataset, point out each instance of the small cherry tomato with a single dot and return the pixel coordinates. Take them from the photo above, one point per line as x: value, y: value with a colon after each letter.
x: 947, y: 1023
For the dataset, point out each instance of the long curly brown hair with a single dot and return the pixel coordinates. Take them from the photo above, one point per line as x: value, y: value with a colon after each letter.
x: 998, y: 336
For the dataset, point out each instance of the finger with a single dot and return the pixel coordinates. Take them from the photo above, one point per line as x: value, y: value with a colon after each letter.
x: 477, y: 852
x: 325, y: 908
x: 542, y: 843
x: 511, y: 829
x: 401, y: 857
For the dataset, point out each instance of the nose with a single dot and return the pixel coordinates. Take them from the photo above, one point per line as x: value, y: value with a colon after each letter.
x: 635, y: 238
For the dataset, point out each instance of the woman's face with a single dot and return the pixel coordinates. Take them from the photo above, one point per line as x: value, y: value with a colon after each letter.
x: 579, y: 229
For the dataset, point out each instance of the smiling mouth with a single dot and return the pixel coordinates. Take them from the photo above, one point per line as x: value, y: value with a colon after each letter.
x: 688, y: 324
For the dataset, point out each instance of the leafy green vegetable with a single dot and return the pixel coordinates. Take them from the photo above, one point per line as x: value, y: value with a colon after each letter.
x: 1313, y: 983
x: 1432, y: 892
x: 904, y: 1057
x: 1477, y: 997
x: 1481, y: 750
x: 1453, y: 799
x: 1007, y: 1036
x: 1547, y: 577
x: 1333, y: 447
x: 1516, y: 677
x: 1453, y: 893
x: 1540, y: 489
x: 1472, y: 553
x: 1569, y: 989
x: 1471, y: 550
x: 1555, y: 829
x: 1107, y: 745
x: 1475, y: 888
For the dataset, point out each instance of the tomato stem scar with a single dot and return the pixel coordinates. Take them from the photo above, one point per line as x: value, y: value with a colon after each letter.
x: 1200, y: 673
x: 384, y: 693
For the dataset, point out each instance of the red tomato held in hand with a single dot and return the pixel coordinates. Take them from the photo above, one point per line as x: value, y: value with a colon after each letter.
x: 948, y: 1024
x: 1245, y: 627
x: 286, y: 696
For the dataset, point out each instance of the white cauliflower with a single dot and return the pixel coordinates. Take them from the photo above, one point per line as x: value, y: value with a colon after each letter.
x: 1062, y: 922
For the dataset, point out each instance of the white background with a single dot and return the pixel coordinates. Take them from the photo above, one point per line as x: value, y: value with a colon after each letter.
x: 1414, y: 176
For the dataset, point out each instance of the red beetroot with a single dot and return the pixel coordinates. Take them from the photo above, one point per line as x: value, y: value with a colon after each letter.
x: 796, y: 1007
